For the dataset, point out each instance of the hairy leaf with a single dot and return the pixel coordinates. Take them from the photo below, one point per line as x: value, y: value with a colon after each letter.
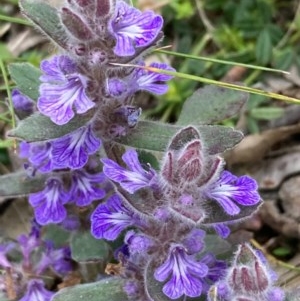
x: 46, y: 18
x: 106, y: 289
x: 59, y: 236
x: 26, y: 76
x: 84, y: 247
x: 38, y: 127
x: 217, y: 215
x: 19, y: 184
x: 156, y: 136
x: 147, y: 135
x: 211, y: 104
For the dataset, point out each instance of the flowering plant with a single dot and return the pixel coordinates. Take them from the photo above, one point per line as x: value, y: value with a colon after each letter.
x: 91, y: 175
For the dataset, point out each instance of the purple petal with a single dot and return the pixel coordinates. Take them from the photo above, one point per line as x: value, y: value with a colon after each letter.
x: 194, y: 242
x: 85, y: 187
x: 21, y: 102
x: 48, y: 204
x: 133, y: 28
x: 186, y: 274
x: 36, y: 291
x: 110, y: 219
x: 137, y: 243
x: 151, y: 81
x: 229, y: 190
x: 64, y: 88
x: 133, y: 179
x: 222, y: 230
x: 73, y: 150
x: 58, y: 259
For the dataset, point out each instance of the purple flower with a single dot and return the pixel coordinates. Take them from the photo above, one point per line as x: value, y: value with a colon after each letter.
x: 58, y: 259
x: 216, y: 270
x: 141, y: 79
x: 230, y: 191
x: 36, y: 291
x: 28, y: 243
x: 85, y: 187
x: 73, y: 150
x: 133, y: 29
x: 111, y: 218
x: 21, y: 102
x: 186, y: 274
x: 222, y: 230
x: 39, y: 155
x: 71, y: 223
x: 133, y: 179
x: 137, y: 243
x: 63, y: 88
x: 194, y: 242
x: 128, y: 114
x: 49, y: 204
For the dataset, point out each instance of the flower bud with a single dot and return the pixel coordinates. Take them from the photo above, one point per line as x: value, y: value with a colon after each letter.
x: 75, y: 25
x: 103, y: 8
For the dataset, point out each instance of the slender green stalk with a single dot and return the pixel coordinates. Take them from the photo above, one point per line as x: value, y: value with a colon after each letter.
x: 15, y: 20
x: 11, y: 107
x: 218, y: 83
x: 201, y: 58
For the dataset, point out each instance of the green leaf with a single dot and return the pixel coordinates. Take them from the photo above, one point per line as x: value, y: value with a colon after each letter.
x: 107, y: 289
x: 216, y: 245
x: 84, y: 247
x: 59, y: 236
x: 155, y: 136
x: 4, y: 52
x: 282, y: 251
x: 6, y: 143
x: 252, y: 125
x: 255, y: 101
x: 148, y: 158
x: 38, y: 127
x: 211, y: 104
x: 283, y: 59
x: 26, y: 76
x: 266, y: 113
x: 46, y: 18
x: 146, y: 135
x: 20, y: 184
x: 264, y: 47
